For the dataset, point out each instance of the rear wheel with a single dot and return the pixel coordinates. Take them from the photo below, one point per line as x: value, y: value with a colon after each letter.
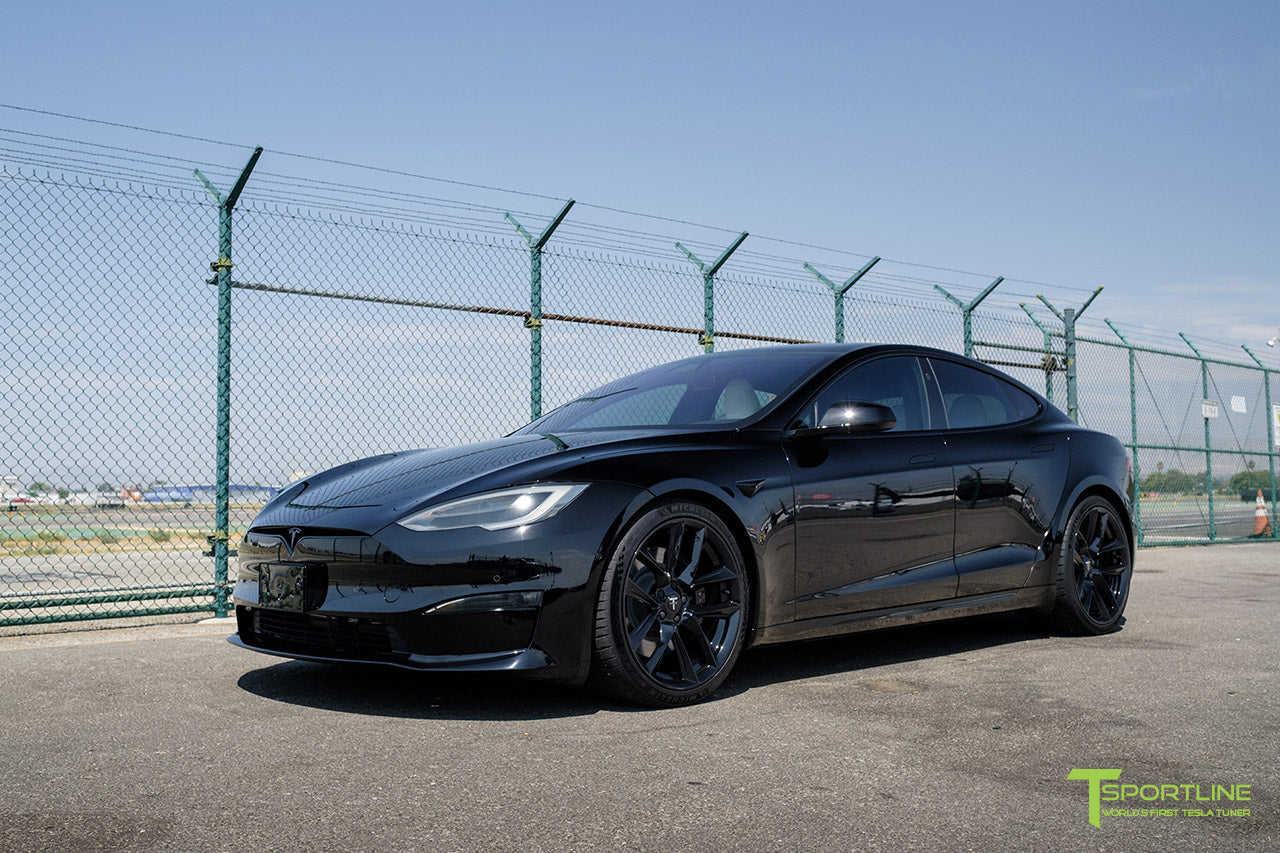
x: 671, y: 617
x: 1094, y: 566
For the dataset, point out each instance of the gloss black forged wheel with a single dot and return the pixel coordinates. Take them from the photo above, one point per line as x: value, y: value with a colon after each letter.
x: 1095, y: 566
x: 673, y: 608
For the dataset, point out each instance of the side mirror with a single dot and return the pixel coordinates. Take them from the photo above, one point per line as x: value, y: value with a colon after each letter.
x: 851, y: 417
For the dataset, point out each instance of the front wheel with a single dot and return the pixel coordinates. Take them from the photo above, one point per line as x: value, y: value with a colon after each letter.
x: 1094, y: 566
x: 672, y: 613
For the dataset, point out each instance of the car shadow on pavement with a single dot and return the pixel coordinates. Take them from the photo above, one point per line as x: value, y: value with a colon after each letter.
x: 389, y: 692
x: 869, y: 651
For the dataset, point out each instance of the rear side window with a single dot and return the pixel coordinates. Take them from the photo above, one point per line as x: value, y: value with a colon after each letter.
x: 972, y: 398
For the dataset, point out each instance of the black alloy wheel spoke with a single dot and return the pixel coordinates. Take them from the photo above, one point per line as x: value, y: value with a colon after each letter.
x: 1083, y: 535
x: 718, y: 610
x: 651, y: 563
x: 1089, y: 529
x: 634, y: 590
x: 651, y: 665
x: 1080, y: 568
x: 683, y: 659
x: 1086, y: 596
x: 640, y: 632
x: 695, y: 557
x: 666, y: 633
x: 1115, y: 546
x: 722, y: 574
x: 1115, y: 569
x: 1105, y: 597
x: 1099, y: 530
x: 701, y: 644
x: 675, y: 541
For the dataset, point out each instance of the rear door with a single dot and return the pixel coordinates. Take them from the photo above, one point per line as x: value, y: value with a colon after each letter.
x: 1009, y: 474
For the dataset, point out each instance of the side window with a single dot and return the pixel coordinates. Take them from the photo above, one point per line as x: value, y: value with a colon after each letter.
x: 739, y: 400
x: 894, y: 382
x: 972, y: 398
x: 1021, y: 404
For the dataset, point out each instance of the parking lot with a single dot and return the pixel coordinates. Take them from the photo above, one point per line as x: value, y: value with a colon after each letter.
x: 957, y: 736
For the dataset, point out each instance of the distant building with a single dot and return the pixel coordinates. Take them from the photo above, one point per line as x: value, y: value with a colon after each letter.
x: 207, y: 494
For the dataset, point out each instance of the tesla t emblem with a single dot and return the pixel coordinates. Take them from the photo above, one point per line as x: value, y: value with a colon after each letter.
x: 292, y: 541
x: 673, y: 602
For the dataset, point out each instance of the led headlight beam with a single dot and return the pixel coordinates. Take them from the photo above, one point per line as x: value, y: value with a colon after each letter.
x: 496, y: 510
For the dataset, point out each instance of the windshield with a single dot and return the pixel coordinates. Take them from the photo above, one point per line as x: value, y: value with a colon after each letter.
x: 706, y: 390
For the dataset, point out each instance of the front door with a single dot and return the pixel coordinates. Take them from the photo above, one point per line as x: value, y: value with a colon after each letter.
x: 875, y: 513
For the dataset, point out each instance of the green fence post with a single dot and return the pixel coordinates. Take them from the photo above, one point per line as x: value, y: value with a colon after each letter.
x: 966, y: 311
x: 841, y: 289
x: 1271, y: 436
x: 1068, y: 318
x: 1208, y: 445
x: 709, y: 289
x: 1049, y: 360
x: 1073, y: 378
x: 1133, y: 428
x: 534, y: 321
x: 222, y: 268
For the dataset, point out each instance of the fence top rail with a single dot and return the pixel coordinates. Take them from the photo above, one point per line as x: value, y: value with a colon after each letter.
x: 1172, y: 353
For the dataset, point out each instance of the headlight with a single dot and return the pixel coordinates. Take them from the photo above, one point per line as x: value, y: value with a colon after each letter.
x: 497, y: 510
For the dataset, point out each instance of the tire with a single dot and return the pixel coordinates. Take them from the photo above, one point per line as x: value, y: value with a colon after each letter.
x: 1094, y: 568
x: 672, y: 613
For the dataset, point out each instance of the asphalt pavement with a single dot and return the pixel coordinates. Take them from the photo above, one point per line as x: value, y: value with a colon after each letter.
x: 956, y: 736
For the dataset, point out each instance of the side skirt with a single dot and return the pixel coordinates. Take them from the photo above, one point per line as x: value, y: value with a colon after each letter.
x: 932, y: 611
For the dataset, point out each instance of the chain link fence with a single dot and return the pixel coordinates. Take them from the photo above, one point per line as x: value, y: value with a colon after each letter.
x: 364, y: 320
x: 108, y: 399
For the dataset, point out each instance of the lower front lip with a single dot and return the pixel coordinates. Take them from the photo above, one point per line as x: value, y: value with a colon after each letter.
x: 407, y: 630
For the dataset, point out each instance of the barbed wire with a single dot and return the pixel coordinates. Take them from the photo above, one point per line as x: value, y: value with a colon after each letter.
x: 132, y: 164
x: 289, y: 188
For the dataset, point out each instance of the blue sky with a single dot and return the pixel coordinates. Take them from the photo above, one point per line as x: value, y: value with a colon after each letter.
x: 1127, y: 144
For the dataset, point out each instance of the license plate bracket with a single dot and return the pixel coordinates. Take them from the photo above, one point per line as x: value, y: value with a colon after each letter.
x: 283, y: 586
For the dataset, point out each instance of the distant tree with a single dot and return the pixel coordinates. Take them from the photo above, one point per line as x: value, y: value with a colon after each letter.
x: 1174, y: 481
x: 63, y: 494
x: 1154, y: 482
x: 1248, y: 481
x: 39, y: 487
x: 106, y: 487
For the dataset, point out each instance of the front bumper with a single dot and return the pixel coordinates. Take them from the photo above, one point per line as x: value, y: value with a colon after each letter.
x: 520, y: 601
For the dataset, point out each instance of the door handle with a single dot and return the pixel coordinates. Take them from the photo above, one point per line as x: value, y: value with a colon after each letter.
x: 1042, y: 448
x: 922, y: 458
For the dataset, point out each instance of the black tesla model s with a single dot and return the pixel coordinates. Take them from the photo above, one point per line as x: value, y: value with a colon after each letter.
x: 643, y: 534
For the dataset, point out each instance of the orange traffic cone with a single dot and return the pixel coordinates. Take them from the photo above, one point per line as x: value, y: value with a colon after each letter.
x: 1261, y: 520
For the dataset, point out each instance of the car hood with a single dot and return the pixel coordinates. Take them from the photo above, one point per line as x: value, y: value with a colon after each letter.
x: 368, y: 494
